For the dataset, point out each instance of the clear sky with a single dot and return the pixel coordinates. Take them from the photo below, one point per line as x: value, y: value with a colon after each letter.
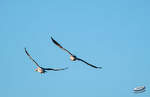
x: 114, y: 34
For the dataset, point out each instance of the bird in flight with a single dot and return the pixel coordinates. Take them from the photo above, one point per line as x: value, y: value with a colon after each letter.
x: 41, y: 69
x: 139, y: 89
x: 72, y: 57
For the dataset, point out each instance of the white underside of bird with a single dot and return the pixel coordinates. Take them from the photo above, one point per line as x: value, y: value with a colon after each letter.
x: 39, y: 70
x: 72, y: 58
x: 139, y: 88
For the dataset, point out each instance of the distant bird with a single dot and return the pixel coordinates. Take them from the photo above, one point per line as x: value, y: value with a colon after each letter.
x: 72, y: 57
x: 41, y: 69
x: 139, y: 88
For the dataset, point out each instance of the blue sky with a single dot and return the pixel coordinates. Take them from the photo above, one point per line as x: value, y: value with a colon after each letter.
x: 113, y: 34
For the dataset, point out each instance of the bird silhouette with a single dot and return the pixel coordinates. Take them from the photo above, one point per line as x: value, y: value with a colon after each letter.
x: 139, y: 88
x: 41, y: 69
x: 72, y: 57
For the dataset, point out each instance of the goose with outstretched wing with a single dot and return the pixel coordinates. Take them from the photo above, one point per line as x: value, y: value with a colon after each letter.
x: 41, y: 69
x: 72, y: 57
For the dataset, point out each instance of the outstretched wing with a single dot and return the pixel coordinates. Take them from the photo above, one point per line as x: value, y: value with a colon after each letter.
x: 88, y: 63
x: 31, y: 58
x: 56, y: 69
x: 56, y: 43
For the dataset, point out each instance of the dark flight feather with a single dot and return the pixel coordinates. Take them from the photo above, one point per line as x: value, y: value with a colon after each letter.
x: 88, y: 63
x: 56, y: 43
x: 31, y: 58
x: 58, y: 69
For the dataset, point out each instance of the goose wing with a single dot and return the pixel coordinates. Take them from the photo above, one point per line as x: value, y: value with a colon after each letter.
x: 56, y: 43
x: 31, y: 57
x: 56, y: 69
x: 88, y: 63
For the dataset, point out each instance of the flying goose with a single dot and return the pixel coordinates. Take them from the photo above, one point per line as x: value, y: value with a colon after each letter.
x: 72, y: 57
x: 41, y: 69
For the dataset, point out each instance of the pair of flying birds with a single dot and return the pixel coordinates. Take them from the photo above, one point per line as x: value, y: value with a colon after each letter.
x: 72, y: 57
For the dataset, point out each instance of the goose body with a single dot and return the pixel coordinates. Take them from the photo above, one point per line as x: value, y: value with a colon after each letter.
x: 40, y: 70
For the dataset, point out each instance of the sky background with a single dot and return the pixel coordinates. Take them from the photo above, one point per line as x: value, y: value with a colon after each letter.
x: 114, y: 34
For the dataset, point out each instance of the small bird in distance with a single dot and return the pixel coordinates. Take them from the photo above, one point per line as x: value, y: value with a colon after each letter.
x: 139, y: 89
x: 41, y: 69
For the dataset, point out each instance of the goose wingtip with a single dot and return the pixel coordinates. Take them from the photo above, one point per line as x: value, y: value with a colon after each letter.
x: 66, y: 68
x: 52, y: 38
x: 99, y: 67
x: 25, y: 49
